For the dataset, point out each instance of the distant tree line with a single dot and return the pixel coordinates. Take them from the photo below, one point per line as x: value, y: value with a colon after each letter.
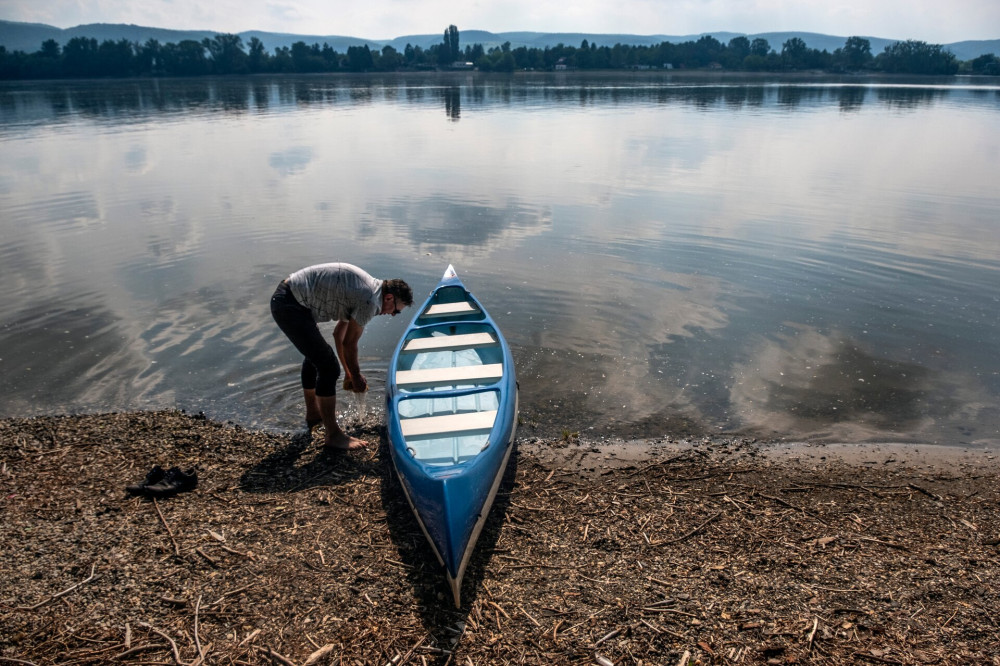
x: 226, y: 54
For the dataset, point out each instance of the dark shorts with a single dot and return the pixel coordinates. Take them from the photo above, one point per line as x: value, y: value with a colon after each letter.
x: 320, y: 368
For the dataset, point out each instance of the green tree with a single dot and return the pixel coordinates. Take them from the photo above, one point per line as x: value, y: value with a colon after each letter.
x: 47, y: 62
x: 474, y: 52
x: 359, y: 58
x: 227, y: 54
x: 307, y: 59
x: 760, y: 47
x: 50, y: 49
x: 390, y: 59
x: 986, y: 64
x: 330, y: 57
x: 736, y: 52
x: 257, y: 57
x: 708, y: 50
x: 451, y: 51
x: 80, y: 57
x: 185, y: 58
x: 282, y: 60
x: 149, y: 58
x: 857, y: 53
x: 794, y: 53
x: 116, y: 58
x: 915, y: 57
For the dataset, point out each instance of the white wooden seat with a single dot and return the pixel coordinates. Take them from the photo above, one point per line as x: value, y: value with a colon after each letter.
x: 450, y: 424
x: 446, y: 309
x: 464, y: 341
x: 447, y: 376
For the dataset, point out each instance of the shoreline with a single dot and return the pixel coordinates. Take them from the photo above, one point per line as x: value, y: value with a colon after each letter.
x: 712, y: 550
x: 903, y: 455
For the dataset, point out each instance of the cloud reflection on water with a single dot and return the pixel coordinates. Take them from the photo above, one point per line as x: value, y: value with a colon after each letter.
x: 664, y: 255
x: 834, y: 388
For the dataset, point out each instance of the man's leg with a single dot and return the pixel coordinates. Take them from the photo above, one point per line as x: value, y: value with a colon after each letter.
x: 313, y: 415
x: 300, y: 327
x: 335, y: 437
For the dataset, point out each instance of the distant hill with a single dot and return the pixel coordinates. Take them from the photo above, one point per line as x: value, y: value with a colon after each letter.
x: 28, y: 37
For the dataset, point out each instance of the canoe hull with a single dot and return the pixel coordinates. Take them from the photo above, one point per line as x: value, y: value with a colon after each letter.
x: 451, y: 409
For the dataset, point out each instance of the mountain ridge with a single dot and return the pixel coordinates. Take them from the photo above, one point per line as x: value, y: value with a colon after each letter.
x: 28, y: 37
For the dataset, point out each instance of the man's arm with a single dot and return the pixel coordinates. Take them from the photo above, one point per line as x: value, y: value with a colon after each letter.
x: 346, y: 335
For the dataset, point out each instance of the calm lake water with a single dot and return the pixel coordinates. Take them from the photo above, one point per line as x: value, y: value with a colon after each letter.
x: 809, y: 259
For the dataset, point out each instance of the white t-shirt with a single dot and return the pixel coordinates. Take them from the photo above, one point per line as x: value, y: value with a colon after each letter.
x: 337, y: 292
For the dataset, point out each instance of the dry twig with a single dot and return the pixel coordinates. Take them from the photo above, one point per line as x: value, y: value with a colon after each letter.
x: 60, y: 594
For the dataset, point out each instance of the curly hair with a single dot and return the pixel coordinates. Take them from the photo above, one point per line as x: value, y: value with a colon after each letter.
x: 400, y: 291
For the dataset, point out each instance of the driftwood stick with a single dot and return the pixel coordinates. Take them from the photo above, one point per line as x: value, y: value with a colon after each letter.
x: 413, y: 649
x: 497, y: 606
x: 812, y: 634
x: 652, y: 609
x: 229, y: 594
x: 608, y: 636
x: 252, y: 635
x: 248, y: 554
x: 925, y: 492
x: 654, y: 628
x: 197, y: 642
x: 881, y: 660
x: 207, y: 557
x: 319, y: 654
x: 528, y: 615
x: 691, y: 533
x: 177, y: 549
x: 173, y: 645
x: 284, y: 661
x: 136, y: 650
x: 60, y: 594
x: 792, y: 506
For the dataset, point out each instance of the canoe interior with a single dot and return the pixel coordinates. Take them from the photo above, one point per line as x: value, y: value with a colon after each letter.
x: 448, y: 371
x: 452, y: 303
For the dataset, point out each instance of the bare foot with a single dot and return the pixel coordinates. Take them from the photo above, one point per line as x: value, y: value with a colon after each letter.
x: 344, y: 442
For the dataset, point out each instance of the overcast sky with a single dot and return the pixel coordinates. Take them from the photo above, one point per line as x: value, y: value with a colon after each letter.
x: 933, y: 21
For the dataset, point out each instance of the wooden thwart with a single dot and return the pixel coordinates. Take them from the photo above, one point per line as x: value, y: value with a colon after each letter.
x: 464, y: 341
x: 446, y: 309
x: 447, y: 376
x: 451, y: 424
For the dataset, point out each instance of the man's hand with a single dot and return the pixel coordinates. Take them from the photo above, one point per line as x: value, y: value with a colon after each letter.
x: 358, y: 383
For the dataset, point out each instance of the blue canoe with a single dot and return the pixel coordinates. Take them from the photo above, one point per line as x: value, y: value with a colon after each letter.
x: 451, y: 411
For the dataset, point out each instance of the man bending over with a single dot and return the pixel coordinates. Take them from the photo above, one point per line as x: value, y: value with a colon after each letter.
x: 351, y: 297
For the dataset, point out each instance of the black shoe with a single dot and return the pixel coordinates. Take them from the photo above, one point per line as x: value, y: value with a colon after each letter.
x: 155, y: 476
x: 174, y: 481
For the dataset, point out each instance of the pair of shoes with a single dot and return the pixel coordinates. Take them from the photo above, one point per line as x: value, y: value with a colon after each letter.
x: 155, y: 476
x: 173, y: 482
x: 165, y: 484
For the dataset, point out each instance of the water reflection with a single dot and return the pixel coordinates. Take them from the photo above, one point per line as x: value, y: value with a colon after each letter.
x: 852, y: 98
x: 442, y: 227
x: 832, y: 387
x: 453, y: 102
x: 666, y: 254
x: 292, y: 160
x: 135, y: 99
